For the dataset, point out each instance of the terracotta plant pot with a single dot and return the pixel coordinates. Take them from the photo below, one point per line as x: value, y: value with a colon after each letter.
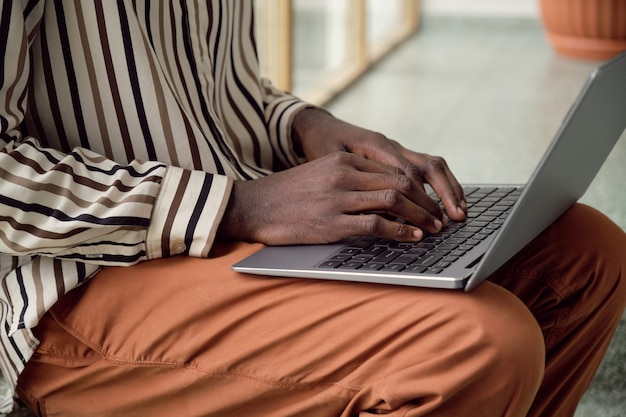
x: 588, y: 29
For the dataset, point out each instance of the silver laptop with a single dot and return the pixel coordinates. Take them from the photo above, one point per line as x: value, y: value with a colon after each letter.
x: 502, y: 218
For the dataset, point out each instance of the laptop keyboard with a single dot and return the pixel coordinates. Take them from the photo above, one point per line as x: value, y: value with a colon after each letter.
x: 487, y: 210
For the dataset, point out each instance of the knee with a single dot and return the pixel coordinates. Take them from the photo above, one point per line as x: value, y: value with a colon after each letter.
x: 594, y: 247
x: 584, y: 232
x: 480, y: 353
x: 514, y: 346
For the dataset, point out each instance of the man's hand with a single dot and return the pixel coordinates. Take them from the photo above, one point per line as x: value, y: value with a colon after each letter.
x: 317, y: 133
x: 333, y: 197
x: 355, y: 183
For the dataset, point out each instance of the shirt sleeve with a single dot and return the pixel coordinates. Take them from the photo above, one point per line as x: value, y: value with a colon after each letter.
x: 280, y: 109
x: 81, y: 206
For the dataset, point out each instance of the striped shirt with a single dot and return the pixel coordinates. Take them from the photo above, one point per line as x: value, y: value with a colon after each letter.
x: 122, y: 126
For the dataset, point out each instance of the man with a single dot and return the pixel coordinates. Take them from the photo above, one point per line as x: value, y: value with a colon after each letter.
x: 141, y: 150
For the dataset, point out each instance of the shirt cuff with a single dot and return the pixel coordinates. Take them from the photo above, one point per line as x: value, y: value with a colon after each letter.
x: 187, y: 213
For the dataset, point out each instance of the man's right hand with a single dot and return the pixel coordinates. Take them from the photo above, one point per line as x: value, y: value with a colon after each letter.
x: 325, y: 200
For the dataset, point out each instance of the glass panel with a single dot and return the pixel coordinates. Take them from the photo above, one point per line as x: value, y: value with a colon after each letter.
x: 320, y: 38
x: 315, y: 48
x: 384, y: 19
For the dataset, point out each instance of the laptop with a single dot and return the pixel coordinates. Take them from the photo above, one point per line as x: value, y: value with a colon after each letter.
x: 502, y: 218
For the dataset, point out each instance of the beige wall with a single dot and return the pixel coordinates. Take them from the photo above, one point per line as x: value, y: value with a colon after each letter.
x: 495, y: 8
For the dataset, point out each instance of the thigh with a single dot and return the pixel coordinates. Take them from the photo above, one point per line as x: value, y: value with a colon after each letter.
x: 572, y: 278
x: 191, y: 334
x: 570, y: 272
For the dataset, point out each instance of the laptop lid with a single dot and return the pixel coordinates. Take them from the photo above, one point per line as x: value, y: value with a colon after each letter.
x: 590, y: 130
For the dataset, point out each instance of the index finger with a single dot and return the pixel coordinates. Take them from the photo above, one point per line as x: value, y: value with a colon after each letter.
x: 437, y: 173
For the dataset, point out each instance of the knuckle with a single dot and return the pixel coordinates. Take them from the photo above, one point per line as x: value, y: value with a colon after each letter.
x: 339, y: 157
x: 437, y: 163
x: 379, y: 137
x: 335, y: 178
x: 390, y: 198
x: 374, y: 136
x: 404, y: 184
x: 412, y: 170
x: 373, y: 225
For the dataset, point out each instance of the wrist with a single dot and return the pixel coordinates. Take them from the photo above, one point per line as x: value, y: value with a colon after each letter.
x: 304, y: 126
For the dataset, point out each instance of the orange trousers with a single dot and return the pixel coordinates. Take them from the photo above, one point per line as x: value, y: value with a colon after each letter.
x: 189, y: 337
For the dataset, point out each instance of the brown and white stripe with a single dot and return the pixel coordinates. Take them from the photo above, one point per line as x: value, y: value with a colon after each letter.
x: 122, y: 126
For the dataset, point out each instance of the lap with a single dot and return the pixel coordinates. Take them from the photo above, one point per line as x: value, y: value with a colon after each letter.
x: 192, y: 327
x: 180, y: 291
x: 308, y: 337
x: 151, y: 307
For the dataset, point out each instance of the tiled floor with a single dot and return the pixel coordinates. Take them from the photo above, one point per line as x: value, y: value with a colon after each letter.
x: 489, y: 95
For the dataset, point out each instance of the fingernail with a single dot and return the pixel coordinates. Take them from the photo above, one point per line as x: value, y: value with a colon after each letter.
x: 438, y: 224
x: 418, y: 234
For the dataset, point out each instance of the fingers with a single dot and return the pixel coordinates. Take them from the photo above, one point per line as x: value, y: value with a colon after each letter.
x: 372, y: 187
x: 378, y: 226
x: 398, y: 196
x: 420, y: 168
x: 436, y: 172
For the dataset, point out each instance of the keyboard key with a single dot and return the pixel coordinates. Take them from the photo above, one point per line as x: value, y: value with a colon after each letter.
x: 330, y: 264
x: 448, y: 246
x: 416, y: 269
x: 374, y: 250
x: 405, y: 259
x: 361, y: 258
x: 479, y: 223
x: 387, y: 256
x: 360, y: 244
x: 394, y: 267
x: 372, y: 266
x: 428, y: 260
x: 457, y: 240
x: 426, y: 246
x: 418, y: 251
x: 351, y: 265
x: 474, y: 241
x: 401, y: 246
x: 433, y: 240
x: 341, y: 257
